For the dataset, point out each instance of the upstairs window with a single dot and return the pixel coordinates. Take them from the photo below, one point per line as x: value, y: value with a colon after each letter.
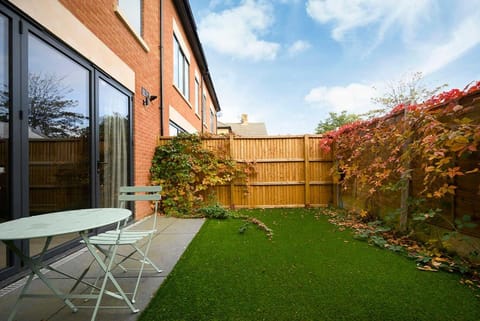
x: 212, y: 122
x: 181, y: 69
x: 132, y: 11
x: 204, y: 110
x: 197, y: 92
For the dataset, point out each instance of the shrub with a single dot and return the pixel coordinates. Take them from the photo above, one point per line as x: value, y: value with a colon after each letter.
x: 188, y: 173
x: 215, y: 211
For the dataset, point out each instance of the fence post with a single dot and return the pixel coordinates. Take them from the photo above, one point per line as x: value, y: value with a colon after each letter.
x: 307, y: 169
x: 230, y: 151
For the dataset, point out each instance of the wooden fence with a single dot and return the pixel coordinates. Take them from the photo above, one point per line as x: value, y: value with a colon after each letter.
x: 58, y: 175
x: 290, y: 171
x: 466, y: 200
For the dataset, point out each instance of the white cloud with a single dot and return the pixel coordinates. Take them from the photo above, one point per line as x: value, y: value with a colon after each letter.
x: 354, y: 98
x: 298, y: 47
x: 237, y: 31
x: 349, y: 15
x: 463, y: 38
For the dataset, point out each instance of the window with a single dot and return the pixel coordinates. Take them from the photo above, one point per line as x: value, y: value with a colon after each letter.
x: 132, y: 10
x: 113, y: 110
x: 181, y: 69
x: 70, y: 122
x: 174, y: 129
x: 204, y: 111
x: 197, y: 92
x: 212, y: 121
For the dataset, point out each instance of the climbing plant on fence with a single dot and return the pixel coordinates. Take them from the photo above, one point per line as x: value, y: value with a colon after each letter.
x: 188, y: 172
x: 429, y: 140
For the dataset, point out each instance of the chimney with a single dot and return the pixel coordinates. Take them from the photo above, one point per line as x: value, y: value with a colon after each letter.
x: 244, y: 119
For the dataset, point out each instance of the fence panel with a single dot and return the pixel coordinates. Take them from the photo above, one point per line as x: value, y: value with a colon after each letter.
x: 290, y: 171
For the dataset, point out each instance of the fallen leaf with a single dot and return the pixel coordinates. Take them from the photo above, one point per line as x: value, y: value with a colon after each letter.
x: 427, y: 268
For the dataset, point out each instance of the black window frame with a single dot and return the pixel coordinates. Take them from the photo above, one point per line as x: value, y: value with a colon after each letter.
x: 20, y: 25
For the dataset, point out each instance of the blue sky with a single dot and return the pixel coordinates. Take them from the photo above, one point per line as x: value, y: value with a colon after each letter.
x: 289, y: 63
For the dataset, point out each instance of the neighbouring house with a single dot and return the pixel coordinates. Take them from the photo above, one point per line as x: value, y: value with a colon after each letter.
x: 244, y: 128
x: 87, y: 87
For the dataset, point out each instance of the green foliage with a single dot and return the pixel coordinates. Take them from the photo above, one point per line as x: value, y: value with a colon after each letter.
x: 427, y: 141
x: 188, y: 172
x: 335, y: 120
x: 215, y: 211
x: 427, y: 256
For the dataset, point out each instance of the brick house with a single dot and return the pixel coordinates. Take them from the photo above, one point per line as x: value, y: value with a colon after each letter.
x: 87, y: 88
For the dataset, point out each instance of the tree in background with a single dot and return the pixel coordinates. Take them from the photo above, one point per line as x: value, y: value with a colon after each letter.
x: 408, y: 90
x: 335, y: 121
x: 51, y: 110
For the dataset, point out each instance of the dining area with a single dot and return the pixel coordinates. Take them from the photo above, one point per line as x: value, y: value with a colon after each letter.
x: 98, y: 280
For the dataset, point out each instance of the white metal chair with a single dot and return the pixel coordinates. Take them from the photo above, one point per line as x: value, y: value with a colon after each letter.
x: 130, y: 237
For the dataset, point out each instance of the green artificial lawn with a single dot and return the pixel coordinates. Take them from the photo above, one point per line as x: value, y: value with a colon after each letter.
x: 308, y: 271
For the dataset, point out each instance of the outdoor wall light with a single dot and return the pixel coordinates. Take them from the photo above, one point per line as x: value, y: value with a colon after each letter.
x: 147, y: 98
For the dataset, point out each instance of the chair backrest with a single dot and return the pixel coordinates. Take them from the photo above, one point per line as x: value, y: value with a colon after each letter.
x: 140, y: 193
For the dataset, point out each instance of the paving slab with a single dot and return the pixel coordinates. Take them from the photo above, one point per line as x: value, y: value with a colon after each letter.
x: 172, y: 238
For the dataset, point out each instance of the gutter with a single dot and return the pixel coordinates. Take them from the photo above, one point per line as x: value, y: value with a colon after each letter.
x: 186, y: 15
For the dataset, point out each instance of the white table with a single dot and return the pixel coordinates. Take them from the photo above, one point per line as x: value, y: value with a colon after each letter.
x: 59, y: 223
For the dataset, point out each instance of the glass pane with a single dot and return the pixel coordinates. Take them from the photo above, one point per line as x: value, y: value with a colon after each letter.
x: 132, y: 10
x: 58, y: 121
x: 175, y: 62
x: 196, y: 95
x: 204, y: 112
x: 114, y: 136
x: 212, y: 122
x: 181, y: 72
x: 4, y: 133
x: 186, y: 91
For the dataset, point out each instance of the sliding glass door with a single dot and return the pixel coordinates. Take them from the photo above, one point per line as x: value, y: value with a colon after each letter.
x: 5, y: 213
x: 64, y: 124
x: 114, y: 130
x: 58, y: 133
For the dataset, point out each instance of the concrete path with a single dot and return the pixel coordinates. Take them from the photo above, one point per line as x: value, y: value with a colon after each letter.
x: 170, y: 242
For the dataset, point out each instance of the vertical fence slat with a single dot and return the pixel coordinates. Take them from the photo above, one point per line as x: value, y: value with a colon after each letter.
x: 306, y: 157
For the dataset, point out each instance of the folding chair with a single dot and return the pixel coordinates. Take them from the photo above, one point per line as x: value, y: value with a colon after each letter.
x: 127, y: 236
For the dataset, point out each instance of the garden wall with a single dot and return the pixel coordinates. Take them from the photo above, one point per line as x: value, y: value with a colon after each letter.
x: 287, y: 171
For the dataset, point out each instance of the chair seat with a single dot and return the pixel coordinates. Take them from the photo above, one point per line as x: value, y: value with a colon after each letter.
x: 106, y: 241
x: 130, y: 233
x: 111, y: 239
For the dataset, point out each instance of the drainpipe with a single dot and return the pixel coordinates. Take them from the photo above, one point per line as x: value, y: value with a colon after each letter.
x: 161, y: 69
x: 202, y: 105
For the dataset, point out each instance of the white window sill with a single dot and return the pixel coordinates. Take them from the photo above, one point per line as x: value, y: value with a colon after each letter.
x: 183, y: 96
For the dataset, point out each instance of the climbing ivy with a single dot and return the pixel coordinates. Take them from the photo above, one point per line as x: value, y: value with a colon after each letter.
x: 188, y: 173
x: 381, y: 154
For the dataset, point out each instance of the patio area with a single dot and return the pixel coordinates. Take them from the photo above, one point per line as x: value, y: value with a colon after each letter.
x: 172, y: 238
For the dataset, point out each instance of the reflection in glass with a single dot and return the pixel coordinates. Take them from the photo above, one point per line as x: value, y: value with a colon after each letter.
x: 58, y: 92
x: 4, y: 134
x: 113, y: 112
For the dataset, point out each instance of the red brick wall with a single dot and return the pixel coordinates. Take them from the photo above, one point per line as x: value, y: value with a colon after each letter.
x: 99, y: 16
x: 171, y: 95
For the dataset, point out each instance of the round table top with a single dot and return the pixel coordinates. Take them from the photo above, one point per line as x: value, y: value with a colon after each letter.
x: 58, y: 223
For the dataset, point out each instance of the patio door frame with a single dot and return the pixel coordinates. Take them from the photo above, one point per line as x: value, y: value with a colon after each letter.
x: 18, y: 183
